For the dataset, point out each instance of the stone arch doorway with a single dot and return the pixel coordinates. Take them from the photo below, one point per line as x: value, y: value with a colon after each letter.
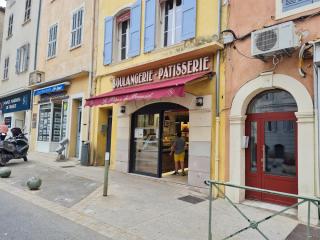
x: 305, y: 138
x: 271, y: 154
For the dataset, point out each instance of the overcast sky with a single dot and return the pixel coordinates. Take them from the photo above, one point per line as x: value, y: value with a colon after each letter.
x: 2, y: 3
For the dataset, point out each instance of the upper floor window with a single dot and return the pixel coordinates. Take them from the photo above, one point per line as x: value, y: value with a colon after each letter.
x: 77, y: 28
x: 288, y: 5
x: 27, y: 11
x: 171, y: 22
x: 52, y: 41
x: 22, y: 61
x: 6, y: 69
x: 10, y: 26
x: 123, y: 24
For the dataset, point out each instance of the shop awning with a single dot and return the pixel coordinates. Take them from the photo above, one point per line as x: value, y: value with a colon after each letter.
x: 157, y: 90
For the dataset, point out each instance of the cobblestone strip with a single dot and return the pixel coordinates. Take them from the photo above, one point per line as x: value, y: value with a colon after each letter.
x: 71, y: 214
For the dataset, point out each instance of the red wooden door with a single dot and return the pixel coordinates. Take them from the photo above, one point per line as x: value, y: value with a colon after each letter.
x: 271, y: 156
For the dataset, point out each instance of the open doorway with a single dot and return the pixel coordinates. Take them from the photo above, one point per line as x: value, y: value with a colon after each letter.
x: 154, y: 129
x: 175, y: 121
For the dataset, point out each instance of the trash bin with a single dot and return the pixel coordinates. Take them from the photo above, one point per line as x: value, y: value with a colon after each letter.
x: 85, y: 154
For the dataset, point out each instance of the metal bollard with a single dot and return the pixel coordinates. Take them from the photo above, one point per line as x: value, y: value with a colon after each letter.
x: 106, y: 176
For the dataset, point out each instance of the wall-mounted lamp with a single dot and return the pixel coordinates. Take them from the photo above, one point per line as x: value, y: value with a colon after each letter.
x: 199, y: 101
x: 123, y: 109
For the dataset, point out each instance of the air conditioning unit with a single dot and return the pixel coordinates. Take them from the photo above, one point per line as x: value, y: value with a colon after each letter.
x: 36, y: 77
x: 275, y: 40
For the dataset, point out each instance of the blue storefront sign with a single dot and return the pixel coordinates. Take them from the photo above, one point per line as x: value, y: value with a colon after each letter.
x: 51, y: 89
x: 16, y: 103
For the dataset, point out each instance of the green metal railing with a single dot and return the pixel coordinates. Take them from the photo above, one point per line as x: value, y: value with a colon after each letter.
x: 255, y: 224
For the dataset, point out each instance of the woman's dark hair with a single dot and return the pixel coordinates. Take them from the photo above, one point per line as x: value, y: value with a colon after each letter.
x: 178, y: 134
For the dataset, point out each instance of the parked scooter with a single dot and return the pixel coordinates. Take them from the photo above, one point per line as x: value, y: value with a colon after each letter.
x: 14, y: 147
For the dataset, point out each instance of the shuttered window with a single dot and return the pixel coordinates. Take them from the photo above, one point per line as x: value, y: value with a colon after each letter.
x: 77, y: 28
x: 178, y: 20
x: 27, y: 12
x: 108, y: 38
x: 150, y: 25
x: 123, y: 44
x: 288, y: 5
x: 6, y: 69
x: 172, y: 16
x: 52, y: 41
x: 22, y: 61
x: 10, y: 26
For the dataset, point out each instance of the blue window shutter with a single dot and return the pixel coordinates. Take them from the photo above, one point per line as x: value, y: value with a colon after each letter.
x: 135, y: 28
x: 150, y: 25
x: 189, y: 19
x: 108, y: 32
x: 288, y: 5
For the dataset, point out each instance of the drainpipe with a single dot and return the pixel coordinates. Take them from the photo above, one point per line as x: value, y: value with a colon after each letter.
x: 37, y: 37
x: 35, y: 62
x: 91, y: 71
x: 316, y: 80
x: 216, y: 157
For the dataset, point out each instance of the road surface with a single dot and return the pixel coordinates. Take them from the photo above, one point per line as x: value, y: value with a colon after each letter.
x: 21, y: 220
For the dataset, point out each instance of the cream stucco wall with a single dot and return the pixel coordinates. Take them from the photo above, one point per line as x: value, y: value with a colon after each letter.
x: 22, y: 33
x: 67, y: 61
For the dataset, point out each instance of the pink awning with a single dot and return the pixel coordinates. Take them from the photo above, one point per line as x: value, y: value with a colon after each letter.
x: 157, y: 90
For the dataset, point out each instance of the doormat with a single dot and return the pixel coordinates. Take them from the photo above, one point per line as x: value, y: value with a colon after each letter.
x: 300, y: 233
x: 68, y: 166
x: 191, y: 199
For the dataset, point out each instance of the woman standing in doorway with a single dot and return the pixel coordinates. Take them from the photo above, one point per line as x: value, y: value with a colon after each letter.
x: 178, y: 149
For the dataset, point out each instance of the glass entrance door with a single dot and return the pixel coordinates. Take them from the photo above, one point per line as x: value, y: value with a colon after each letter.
x: 146, y: 144
x: 271, y: 161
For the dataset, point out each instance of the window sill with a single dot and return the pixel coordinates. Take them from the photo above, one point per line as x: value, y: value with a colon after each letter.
x: 280, y: 14
x: 51, y: 58
x: 75, y: 47
x: 26, y: 22
x: 165, y: 48
x: 19, y: 73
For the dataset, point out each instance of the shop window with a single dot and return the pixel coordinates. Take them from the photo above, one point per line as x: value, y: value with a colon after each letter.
x: 22, y: 58
x: 171, y: 22
x: 77, y: 28
x: 44, y: 125
x: 123, y: 39
x: 52, y: 41
x: 10, y: 26
x: 6, y: 69
x: 56, y: 113
x: 27, y: 12
x: 64, y: 119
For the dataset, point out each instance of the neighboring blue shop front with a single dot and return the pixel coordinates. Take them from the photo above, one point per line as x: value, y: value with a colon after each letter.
x: 15, y: 110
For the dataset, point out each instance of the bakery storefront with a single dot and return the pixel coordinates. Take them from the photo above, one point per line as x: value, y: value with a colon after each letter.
x: 153, y: 105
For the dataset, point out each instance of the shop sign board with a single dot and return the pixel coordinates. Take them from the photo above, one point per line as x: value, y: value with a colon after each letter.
x: 51, y: 89
x: 15, y: 103
x: 180, y: 69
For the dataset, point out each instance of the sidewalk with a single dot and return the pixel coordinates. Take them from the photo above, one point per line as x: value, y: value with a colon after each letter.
x: 147, y: 208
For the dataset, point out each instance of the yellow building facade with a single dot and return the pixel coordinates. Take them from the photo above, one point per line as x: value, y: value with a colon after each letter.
x: 156, y: 76
x: 62, y: 80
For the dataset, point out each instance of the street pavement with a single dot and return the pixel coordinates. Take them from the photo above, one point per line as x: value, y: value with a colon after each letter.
x: 137, y: 207
x: 57, y: 185
x: 21, y: 220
